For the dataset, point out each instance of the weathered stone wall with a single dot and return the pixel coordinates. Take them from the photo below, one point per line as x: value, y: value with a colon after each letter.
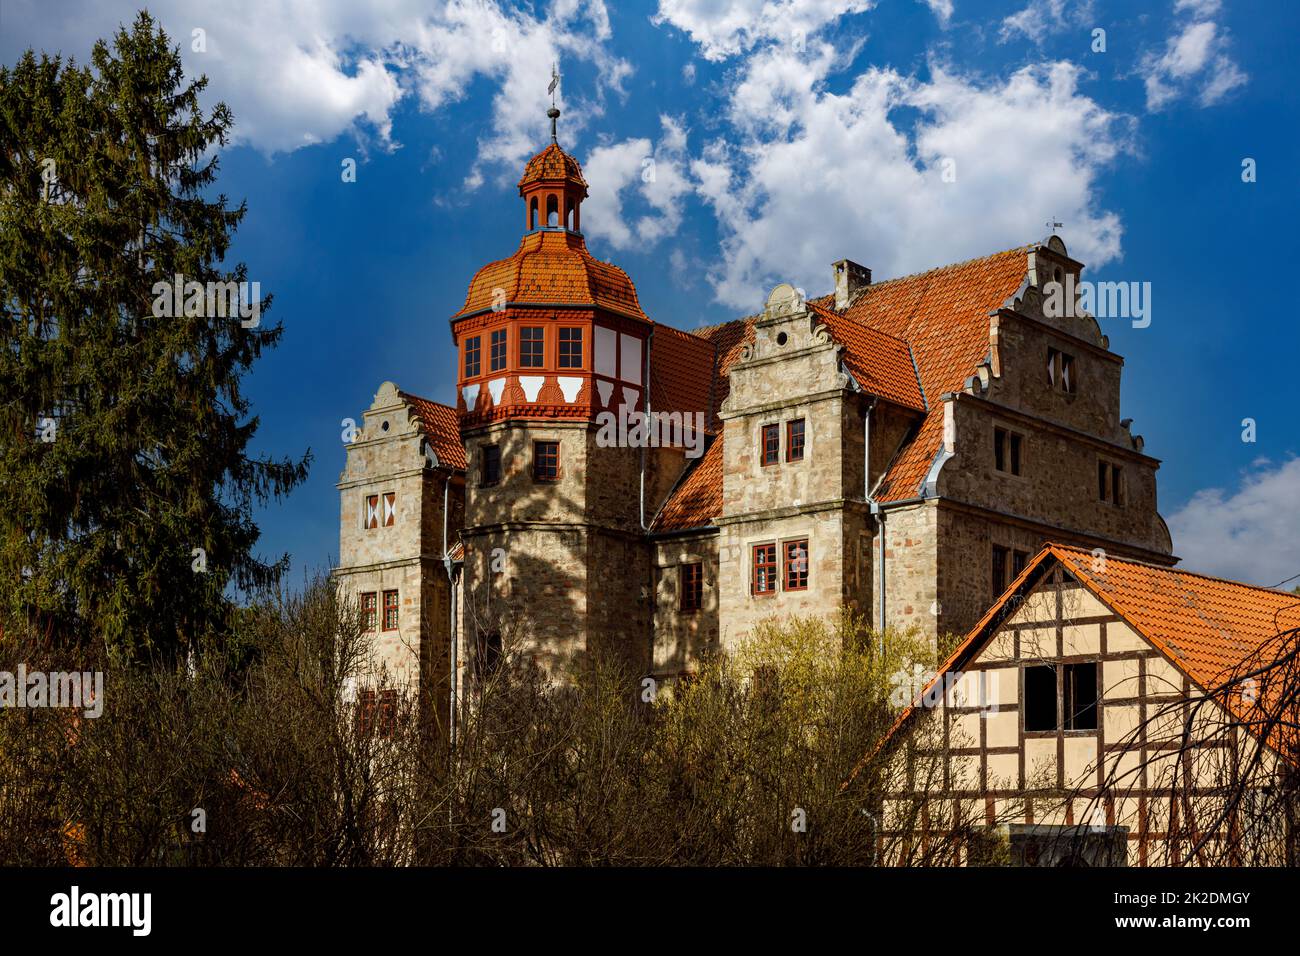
x: 681, y: 638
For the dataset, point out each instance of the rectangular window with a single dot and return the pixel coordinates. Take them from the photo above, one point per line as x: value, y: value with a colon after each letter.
x: 366, y: 705
x: 1018, y: 561
x: 390, y: 508
x: 570, y: 348
x: 473, y: 350
x: 764, y: 578
x: 532, y: 347
x: 1006, y: 450
x: 546, y: 461
x: 369, y: 610
x: 999, y: 578
x: 376, y: 712
x: 1110, y: 483
x: 771, y: 444
x: 796, y: 565
x: 491, y: 465
x: 372, y: 511
x: 1079, y: 684
x: 1060, y: 371
x: 692, y: 586
x: 1040, y: 698
x: 498, y: 356
x: 390, y: 610
x: 487, y: 654
x: 794, y: 440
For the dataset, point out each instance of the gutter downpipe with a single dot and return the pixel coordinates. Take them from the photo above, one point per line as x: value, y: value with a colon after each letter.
x: 645, y: 529
x: 451, y: 593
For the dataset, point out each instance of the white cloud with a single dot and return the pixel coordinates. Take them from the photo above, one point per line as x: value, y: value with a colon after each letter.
x: 657, y: 175
x: 1195, y: 58
x: 1251, y: 534
x: 724, y: 28
x: 942, y: 9
x: 817, y: 176
x: 1039, y: 20
x: 296, y: 75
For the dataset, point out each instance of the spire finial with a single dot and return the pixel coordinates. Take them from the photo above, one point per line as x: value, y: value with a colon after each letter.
x: 553, y: 113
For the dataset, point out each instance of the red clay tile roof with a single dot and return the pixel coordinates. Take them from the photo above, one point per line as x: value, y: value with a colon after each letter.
x: 681, y: 373
x: 697, y: 499
x: 552, y: 164
x: 943, y: 315
x: 441, y: 427
x: 552, y: 266
x: 881, y: 363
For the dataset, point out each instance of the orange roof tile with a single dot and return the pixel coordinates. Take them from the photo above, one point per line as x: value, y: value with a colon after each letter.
x: 943, y: 315
x: 681, y: 373
x: 441, y: 427
x: 697, y: 499
x: 552, y: 163
x: 552, y: 266
x: 881, y: 363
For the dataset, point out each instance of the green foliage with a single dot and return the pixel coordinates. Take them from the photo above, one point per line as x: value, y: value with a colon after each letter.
x: 106, y: 176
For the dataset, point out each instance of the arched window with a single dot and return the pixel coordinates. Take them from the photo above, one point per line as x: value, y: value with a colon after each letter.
x: 552, y: 211
x: 532, y: 215
x: 568, y: 217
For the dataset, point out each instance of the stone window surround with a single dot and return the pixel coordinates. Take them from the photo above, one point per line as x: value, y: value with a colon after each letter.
x: 789, y: 439
x: 779, y: 543
x: 394, y: 606
x: 1115, y: 482
x: 774, y: 429
x: 558, y: 472
x: 1009, y: 431
x: 684, y: 579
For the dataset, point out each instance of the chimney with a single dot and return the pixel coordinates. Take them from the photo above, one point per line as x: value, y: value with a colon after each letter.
x: 850, y: 278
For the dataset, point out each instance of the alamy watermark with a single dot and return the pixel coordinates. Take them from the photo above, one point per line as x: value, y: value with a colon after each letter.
x: 83, y: 690
x: 1104, y: 300
x: 220, y: 300
x: 655, y: 430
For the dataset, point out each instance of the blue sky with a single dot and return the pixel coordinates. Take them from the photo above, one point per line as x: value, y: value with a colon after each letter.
x: 781, y: 137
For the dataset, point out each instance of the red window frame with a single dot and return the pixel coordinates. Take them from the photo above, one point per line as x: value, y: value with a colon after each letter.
x: 546, y: 461
x: 794, y: 440
x: 390, y: 606
x: 473, y: 356
x: 570, y: 347
x: 369, y: 610
x: 371, y: 516
x: 366, y: 699
x: 692, y: 586
x: 796, y: 567
x: 771, y: 444
x: 763, y: 575
x: 497, y: 358
x: 532, y: 346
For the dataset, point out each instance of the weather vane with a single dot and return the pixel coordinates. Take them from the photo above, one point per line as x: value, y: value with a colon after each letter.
x: 1053, y: 225
x: 553, y: 113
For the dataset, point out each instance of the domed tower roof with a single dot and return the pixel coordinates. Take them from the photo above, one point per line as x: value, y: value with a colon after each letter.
x: 552, y: 267
x: 553, y: 165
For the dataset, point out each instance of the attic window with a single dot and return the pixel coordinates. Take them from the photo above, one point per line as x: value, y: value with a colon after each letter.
x: 1060, y: 371
x: 1072, y: 686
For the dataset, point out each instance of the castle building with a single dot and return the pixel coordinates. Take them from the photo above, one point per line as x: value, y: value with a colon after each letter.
x: 902, y: 447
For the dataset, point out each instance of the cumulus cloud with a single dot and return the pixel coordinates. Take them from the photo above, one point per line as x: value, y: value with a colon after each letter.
x: 942, y: 9
x: 1037, y: 21
x: 723, y: 28
x: 654, y: 174
x: 898, y: 173
x: 1251, y: 534
x: 294, y: 79
x: 1195, y: 60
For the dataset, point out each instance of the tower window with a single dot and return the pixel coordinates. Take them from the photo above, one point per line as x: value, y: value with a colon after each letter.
x: 531, y: 347
x: 796, y: 565
x: 1007, y: 450
x: 472, y: 355
x: 999, y: 578
x: 372, y: 512
x: 390, y: 509
x: 571, y: 348
x: 1110, y: 483
x: 498, y: 357
x: 794, y: 440
x: 390, y: 610
x: 1060, y: 371
x: 491, y: 461
x: 369, y: 610
x: 552, y: 212
x: 771, y: 444
x: 764, y: 579
x: 546, y: 461
x: 692, y: 586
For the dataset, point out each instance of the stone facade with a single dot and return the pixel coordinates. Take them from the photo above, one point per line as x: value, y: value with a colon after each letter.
x: 904, y: 504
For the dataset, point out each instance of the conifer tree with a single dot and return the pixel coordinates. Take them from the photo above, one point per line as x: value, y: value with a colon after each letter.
x: 126, y: 487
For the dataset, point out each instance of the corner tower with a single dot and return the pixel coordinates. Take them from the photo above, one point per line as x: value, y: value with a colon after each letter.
x: 549, y: 340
